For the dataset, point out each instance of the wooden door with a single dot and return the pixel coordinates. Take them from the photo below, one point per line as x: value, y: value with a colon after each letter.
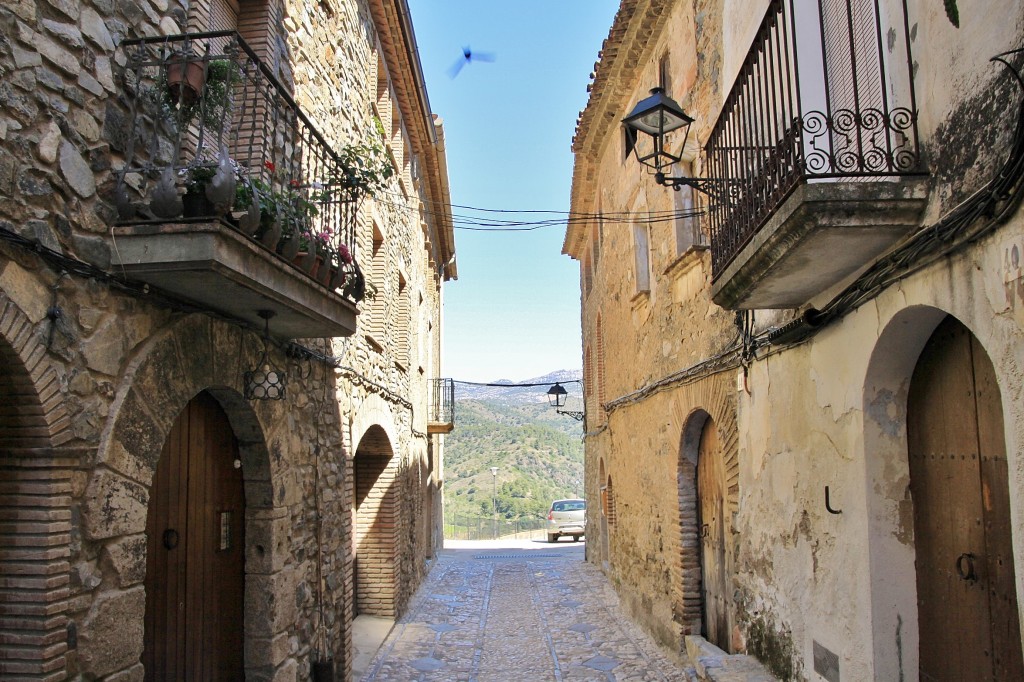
x: 966, y: 592
x: 711, y: 491
x: 195, y: 552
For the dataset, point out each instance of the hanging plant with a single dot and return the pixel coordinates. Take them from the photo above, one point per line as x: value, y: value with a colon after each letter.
x: 952, y: 12
x: 366, y: 166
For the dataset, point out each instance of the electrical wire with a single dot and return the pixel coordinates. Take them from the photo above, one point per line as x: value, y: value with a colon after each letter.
x: 499, y: 385
x: 462, y: 221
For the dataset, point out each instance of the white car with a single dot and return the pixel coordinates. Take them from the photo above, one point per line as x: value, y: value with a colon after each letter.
x: 566, y: 517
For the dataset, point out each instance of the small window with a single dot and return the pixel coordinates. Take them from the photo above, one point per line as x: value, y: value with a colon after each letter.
x: 642, y: 254
x: 687, y: 226
x: 588, y: 276
x: 628, y: 141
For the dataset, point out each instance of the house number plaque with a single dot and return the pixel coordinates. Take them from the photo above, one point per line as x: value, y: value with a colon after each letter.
x: 225, y: 530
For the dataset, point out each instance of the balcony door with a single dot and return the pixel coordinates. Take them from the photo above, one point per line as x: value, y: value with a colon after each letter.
x: 195, y: 567
x: 966, y: 590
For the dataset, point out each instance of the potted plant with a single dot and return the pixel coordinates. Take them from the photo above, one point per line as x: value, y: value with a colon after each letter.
x: 195, y: 87
x: 185, y: 74
x: 196, y: 176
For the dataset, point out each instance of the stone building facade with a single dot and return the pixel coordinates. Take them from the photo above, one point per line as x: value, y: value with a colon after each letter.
x: 136, y: 474
x: 813, y: 455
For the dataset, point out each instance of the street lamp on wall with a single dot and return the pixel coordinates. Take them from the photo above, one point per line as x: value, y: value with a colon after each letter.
x: 556, y: 398
x: 656, y: 116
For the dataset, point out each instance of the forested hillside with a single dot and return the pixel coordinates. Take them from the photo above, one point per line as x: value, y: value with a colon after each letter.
x: 539, y: 455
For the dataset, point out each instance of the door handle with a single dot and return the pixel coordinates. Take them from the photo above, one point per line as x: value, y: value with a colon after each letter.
x: 170, y: 538
x: 968, y: 574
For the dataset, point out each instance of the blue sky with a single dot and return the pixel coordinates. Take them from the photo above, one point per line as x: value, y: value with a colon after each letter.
x: 514, y: 311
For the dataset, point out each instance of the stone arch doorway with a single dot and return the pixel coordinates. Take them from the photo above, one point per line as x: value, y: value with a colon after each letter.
x: 376, y: 524
x: 966, y: 590
x: 708, y: 500
x: 35, y: 517
x: 891, y: 498
x: 195, y: 562
x: 714, y: 528
x: 116, y: 501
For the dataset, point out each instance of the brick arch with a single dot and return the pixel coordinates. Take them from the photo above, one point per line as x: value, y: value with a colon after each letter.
x: 27, y: 376
x: 171, y: 368
x: 713, y: 399
x: 376, y: 509
x: 35, y: 486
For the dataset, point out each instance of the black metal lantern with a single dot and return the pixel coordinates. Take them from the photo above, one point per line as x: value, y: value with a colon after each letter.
x: 556, y: 395
x: 556, y: 398
x: 265, y: 382
x: 657, y: 116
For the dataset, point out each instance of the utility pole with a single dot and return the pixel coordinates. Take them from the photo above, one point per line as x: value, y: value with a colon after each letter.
x: 494, y: 502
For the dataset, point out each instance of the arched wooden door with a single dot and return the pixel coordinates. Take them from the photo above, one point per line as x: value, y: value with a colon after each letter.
x: 966, y: 592
x: 711, y: 493
x: 195, y: 570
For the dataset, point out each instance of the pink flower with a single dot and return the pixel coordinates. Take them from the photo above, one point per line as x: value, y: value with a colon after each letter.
x: 344, y: 255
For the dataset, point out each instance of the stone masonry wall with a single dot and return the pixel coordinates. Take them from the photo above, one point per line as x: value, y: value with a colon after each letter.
x: 652, y: 543
x: 125, y: 363
x: 830, y: 412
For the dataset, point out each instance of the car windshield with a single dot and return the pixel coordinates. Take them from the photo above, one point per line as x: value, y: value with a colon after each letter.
x: 571, y: 505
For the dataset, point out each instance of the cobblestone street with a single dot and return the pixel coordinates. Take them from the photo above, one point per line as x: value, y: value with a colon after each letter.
x: 529, y: 612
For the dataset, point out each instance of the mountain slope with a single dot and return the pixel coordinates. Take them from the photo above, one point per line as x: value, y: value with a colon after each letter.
x: 539, y: 454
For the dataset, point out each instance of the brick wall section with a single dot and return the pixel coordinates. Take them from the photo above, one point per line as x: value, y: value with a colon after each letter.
x: 376, y: 535
x: 35, y: 537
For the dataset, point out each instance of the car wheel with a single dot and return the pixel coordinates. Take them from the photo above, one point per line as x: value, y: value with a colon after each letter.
x: 575, y: 538
x: 552, y: 538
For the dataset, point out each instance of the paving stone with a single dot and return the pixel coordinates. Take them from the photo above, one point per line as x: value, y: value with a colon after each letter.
x: 503, y: 615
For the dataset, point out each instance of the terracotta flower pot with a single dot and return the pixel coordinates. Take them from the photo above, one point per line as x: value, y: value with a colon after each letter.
x: 185, y: 79
x: 326, y: 273
x: 308, y: 262
x: 337, y: 278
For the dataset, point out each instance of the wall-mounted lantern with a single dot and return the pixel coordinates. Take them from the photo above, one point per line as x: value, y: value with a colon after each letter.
x: 657, y: 116
x: 264, y: 381
x: 556, y: 398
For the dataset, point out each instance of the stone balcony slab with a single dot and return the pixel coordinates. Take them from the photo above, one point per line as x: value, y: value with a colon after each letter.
x: 218, y: 268
x: 823, y: 233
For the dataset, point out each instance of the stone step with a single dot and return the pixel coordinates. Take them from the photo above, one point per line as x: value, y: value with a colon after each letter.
x: 711, y: 664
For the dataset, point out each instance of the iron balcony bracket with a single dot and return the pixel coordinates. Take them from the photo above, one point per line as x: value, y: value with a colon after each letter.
x: 722, y: 190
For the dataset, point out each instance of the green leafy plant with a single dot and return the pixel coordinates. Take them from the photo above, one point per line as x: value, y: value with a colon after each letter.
x: 212, y: 104
x: 366, y: 166
x: 289, y: 200
x: 952, y: 12
x: 197, y: 175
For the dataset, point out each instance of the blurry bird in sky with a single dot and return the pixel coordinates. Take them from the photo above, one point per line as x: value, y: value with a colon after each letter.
x: 468, y: 56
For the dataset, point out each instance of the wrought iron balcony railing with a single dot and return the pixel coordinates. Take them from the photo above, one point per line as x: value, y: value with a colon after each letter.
x: 441, y: 418
x: 212, y: 135
x: 825, y: 93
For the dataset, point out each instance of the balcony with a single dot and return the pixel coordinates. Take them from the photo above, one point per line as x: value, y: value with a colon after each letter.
x: 228, y: 196
x: 441, y: 418
x: 817, y: 149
